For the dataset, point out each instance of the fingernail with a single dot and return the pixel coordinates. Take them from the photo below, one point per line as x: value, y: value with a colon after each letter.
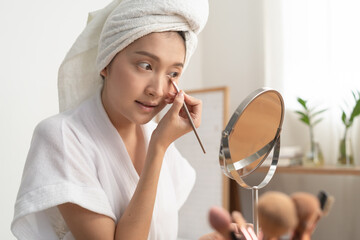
x: 181, y: 93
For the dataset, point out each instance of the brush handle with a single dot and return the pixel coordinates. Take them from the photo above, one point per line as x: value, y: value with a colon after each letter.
x: 190, y: 119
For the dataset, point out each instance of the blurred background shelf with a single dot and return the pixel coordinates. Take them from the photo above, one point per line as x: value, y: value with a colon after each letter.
x: 329, y: 170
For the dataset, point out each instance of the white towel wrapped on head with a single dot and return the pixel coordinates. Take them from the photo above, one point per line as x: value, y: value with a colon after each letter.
x: 116, y: 26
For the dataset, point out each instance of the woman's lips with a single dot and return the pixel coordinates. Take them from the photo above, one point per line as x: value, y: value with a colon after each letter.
x: 147, y: 106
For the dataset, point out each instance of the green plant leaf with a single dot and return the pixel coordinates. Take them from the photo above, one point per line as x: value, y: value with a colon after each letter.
x: 306, y: 120
x: 356, y: 111
x: 343, y: 117
x: 302, y: 102
x: 356, y: 98
x: 318, y: 112
x: 302, y: 114
x: 317, y: 121
x: 353, y: 93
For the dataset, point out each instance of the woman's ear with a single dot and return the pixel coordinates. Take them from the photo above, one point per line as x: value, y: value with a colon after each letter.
x: 104, y: 72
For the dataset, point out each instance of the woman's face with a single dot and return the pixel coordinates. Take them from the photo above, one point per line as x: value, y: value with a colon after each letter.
x: 136, y: 81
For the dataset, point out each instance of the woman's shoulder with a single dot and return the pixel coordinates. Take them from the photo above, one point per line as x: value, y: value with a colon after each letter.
x: 54, y: 136
x: 50, y: 125
x: 55, y: 128
x: 53, y: 122
x: 72, y: 118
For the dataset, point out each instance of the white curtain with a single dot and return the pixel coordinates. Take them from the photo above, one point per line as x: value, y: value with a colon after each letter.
x: 312, y: 50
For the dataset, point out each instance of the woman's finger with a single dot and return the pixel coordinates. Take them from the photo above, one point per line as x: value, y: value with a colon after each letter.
x: 177, y: 103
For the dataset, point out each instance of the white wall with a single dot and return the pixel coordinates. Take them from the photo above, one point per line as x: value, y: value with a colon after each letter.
x: 233, y: 53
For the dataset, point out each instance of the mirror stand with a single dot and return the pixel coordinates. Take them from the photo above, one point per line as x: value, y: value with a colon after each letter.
x: 265, y: 181
x: 255, y: 198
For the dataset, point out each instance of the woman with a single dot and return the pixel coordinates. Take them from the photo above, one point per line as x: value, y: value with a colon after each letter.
x: 101, y: 169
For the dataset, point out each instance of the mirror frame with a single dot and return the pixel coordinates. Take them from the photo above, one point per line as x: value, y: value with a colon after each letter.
x: 228, y: 167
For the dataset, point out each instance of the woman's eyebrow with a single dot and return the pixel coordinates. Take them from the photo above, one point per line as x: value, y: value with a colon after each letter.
x: 148, y: 54
x: 156, y: 58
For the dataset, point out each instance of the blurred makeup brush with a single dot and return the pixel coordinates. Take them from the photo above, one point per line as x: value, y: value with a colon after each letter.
x: 277, y: 214
x: 326, y: 202
x: 309, y: 212
x: 220, y: 220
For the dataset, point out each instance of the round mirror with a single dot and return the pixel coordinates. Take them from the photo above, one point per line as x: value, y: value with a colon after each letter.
x: 252, y: 132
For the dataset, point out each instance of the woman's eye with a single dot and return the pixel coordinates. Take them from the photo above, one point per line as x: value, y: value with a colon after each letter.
x: 174, y: 74
x: 145, y: 66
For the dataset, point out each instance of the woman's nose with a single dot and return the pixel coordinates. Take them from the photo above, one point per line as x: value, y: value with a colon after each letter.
x: 157, y: 86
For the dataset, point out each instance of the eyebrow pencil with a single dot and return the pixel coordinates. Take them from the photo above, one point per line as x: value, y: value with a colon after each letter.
x: 188, y: 114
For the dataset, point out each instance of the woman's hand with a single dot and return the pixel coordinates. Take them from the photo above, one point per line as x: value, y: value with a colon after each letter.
x: 175, y: 122
x: 213, y: 236
x: 221, y: 221
x: 224, y: 235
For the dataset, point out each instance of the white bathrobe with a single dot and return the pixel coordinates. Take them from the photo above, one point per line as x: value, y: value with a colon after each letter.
x: 78, y: 156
